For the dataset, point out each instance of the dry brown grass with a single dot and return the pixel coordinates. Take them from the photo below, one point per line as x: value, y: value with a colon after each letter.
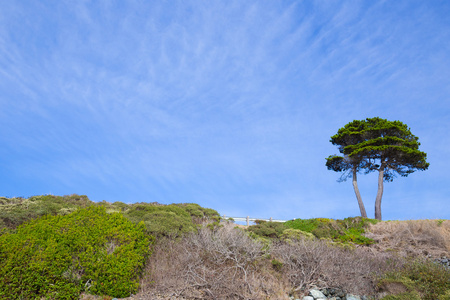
x: 220, y: 264
x: 413, y: 237
x: 308, y: 263
x: 227, y: 264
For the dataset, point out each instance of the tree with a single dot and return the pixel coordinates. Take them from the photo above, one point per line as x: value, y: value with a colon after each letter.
x: 349, y: 165
x: 376, y: 144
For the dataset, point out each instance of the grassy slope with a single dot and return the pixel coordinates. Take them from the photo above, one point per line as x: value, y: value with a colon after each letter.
x: 173, y: 219
x: 413, y: 238
x: 349, y: 230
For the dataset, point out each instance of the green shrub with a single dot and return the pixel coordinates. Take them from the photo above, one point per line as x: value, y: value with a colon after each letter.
x: 344, y: 231
x: 210, y: 213
x: 422, y: 279
x: 307, y: 225
x: 57, y: 257
x: 197, y: 212
x: 120, y: 206
x: 174, y: 219
x: 268, y: 229
x: 15, y: 211
x: 162, y: 220
x: 277, y: 265
x: 259, y: 222
x: 296, y: 234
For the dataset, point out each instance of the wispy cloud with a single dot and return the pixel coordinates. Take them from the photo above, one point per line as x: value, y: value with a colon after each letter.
x: 228, y: 103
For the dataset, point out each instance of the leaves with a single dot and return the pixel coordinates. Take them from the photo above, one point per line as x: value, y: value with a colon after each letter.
x: 377, y: 144
x: 58, y: 255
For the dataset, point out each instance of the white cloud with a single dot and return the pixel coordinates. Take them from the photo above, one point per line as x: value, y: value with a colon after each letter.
x: 214, y: 99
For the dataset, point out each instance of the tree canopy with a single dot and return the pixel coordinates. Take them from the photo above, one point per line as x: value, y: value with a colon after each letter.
x: 376, y: 144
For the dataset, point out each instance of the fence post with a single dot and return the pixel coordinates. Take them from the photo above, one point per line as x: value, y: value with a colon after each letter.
x: 248, y: 221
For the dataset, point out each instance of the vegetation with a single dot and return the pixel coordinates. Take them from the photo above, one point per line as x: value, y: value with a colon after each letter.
x: 68, y: 247
x: 174, y: 219
x: 413, y: 238
x: 60, y: 256
x: 15, y: 211
x: 169, y: 220
x: 268, y: 229
x: 418, y: 279
x: 349, y: 230
x: 376, y: 144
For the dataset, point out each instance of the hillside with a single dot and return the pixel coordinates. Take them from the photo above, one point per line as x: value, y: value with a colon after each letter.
x: 69, y: 247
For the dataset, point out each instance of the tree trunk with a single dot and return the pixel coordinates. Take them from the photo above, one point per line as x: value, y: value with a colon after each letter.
x: 379, y: 194
x: 362, y: 209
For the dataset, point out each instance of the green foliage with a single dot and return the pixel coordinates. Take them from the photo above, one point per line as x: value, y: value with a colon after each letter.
x: 377, y: 144
x: 296, y: 234
x: 174, y: 219
x: 120, y: 206
x: 308, y: 225
x: 15, y: 211
x: 344, y: 231
x: 421, y: 279
x: 258, y: 222
x: 162, y: 220
x: 268, y: 229
x: 197, y: 212
x: 354, y: 229
x: 214, y: 226
x: 263, y: 240
x: 349, y: 230
x: 277, y: 265
x: 57, y: 257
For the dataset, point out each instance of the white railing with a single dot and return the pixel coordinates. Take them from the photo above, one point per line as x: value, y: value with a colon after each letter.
x: 248, y: 219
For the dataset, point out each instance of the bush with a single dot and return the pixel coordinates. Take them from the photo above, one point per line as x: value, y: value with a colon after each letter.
x: 420, y: 279
x: 162, y: 220
x: 344, y: 231
x: 60, y: 256
x: 198, y: 213
x: 290, y: 235
x: 16, y: 211
x: 307, y: 225
x: 268, y: 229
x: 313, y: 262
x: 208, y: 264
x: 277, y: 265
x: 413, y: 237
x: 169, y: 220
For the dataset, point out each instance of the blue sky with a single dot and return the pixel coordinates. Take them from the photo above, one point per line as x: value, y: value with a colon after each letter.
x: 228, y: 104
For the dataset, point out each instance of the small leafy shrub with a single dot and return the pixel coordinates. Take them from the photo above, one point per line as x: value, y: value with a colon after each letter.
x: 419, y: 279
x: 277, y: 265
x: 58, y: 257
x: 268, y: 229
x: 198, y: 213
x: 16, y: 211
x: 296, y: 234
x: 162, y: 220
x: 307, y: 225
x: 344, y: 231
x: 170, y: 220
x: 120, y: 205
x: 259, y: 222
